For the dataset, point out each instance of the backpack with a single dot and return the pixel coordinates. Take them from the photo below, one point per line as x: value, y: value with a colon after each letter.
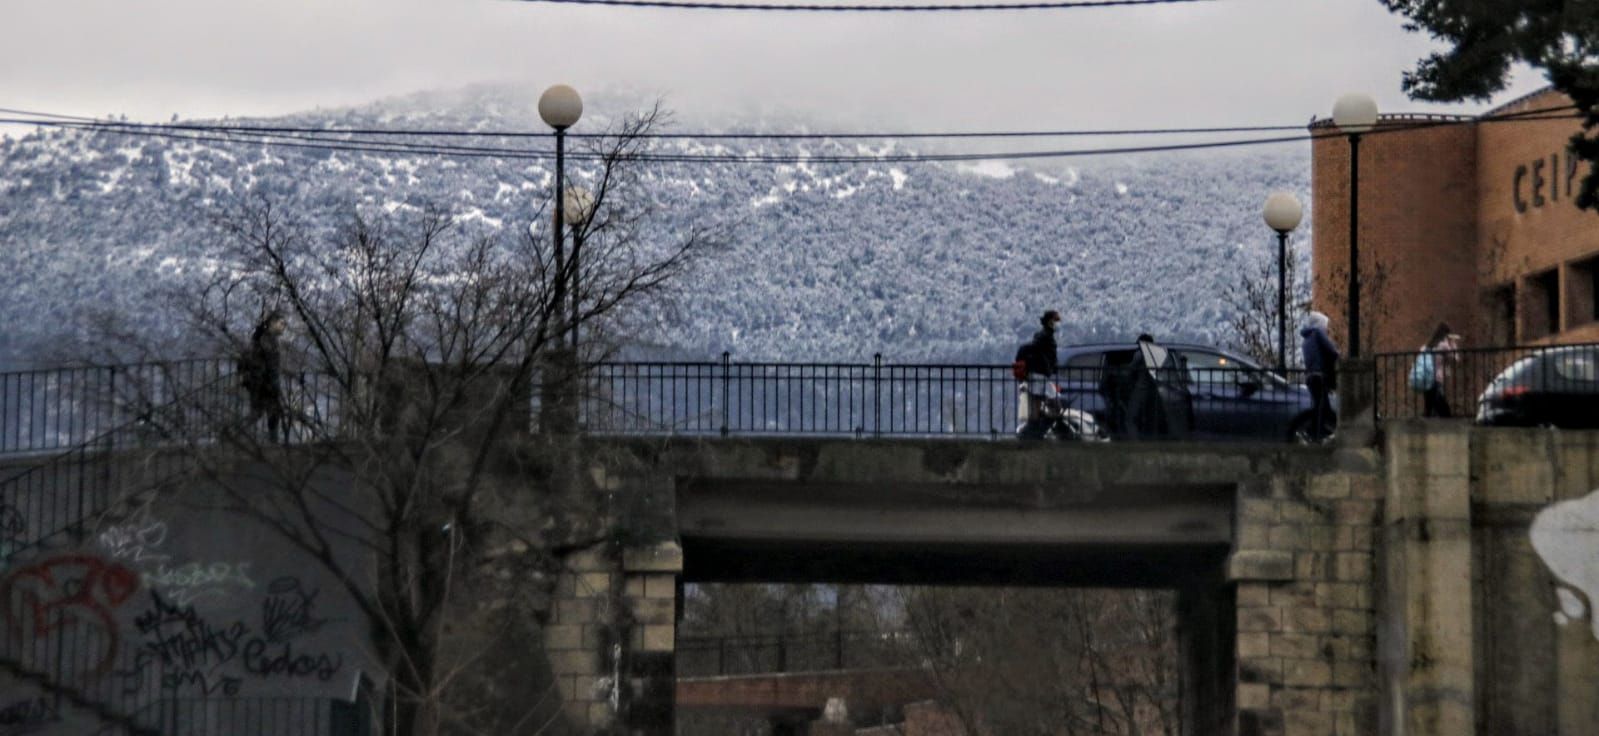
x: 1024, y: 358
x: 1423, y: 374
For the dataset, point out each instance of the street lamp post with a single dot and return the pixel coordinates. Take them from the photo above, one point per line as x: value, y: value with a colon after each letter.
x: 1354, y: 114
x: 579, y: 207
x: 560, y: 107
x: 1282, y: 213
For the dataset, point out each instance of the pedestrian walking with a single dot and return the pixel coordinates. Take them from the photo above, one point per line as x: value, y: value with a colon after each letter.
x: 1321, y: 372
x: 1145, y: 407
x: 261, y: 375
x: 1039, y: 355
x: 1431, y: 369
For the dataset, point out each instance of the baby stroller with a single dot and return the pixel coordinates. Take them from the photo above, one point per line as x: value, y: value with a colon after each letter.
x: 1050, y: 415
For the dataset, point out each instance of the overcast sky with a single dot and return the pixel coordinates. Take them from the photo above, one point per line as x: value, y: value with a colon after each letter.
x: 1224, y: 62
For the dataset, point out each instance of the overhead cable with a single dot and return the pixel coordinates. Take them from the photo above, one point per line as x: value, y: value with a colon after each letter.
x: 232, y: 136
x: 830, y: 8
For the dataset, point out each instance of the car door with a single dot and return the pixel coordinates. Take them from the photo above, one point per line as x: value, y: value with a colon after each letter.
x: 1079, y: 379
x: 1234, y: 399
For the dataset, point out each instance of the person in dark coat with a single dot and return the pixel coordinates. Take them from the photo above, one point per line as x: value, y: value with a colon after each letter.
x: 1145, y: 407
x: 1321, y: 371
x: 1041, y: 366
x: 261, y: 375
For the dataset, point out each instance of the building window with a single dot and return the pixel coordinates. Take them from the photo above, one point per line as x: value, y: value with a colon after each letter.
x: 1582, y: 283
x: 1502, y: 315
x: 1541, y: 305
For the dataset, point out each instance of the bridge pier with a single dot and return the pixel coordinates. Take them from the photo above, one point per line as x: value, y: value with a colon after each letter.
x: 1205, y: 640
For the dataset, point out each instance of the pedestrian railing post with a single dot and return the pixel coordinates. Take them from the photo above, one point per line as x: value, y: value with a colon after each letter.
x: 726, y: 392
x: 877, y: 394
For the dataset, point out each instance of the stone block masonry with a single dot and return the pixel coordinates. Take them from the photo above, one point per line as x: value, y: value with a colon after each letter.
x: 1302, y: 564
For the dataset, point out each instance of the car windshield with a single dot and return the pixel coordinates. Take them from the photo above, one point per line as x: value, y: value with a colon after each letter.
x: 1207, y: 367
x: 1577, y: 366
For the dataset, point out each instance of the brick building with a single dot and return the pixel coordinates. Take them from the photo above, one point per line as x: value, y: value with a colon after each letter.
x: 1469, y: 220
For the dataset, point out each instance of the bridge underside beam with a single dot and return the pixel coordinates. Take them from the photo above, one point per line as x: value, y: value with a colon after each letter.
x: 1109, y: 566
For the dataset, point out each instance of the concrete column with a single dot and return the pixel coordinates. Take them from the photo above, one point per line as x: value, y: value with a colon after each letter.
x: 1425, y: 633
x: 1206, y: 633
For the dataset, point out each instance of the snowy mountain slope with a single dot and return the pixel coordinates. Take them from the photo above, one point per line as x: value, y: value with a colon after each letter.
x: 828, y: 262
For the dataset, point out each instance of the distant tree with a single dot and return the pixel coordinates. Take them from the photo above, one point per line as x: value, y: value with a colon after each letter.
x: 1486, y: 37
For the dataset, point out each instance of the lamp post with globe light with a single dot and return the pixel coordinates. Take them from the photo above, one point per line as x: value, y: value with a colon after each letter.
x: 1354, y: 114
x: 1282, y: 213
x: 560, y: 107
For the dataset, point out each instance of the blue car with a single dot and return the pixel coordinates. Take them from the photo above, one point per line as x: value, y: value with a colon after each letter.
x: 1197, y: 392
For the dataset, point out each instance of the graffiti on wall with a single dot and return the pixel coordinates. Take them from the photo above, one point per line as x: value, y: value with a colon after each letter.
x: 137, y: 543
x: 1566, y: 537
x: 196, y: 655
x: 66, y: 592
x: 31, y: 715
x: 142, y: 544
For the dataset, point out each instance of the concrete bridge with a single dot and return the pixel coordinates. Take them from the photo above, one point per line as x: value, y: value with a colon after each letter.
x: 1431, y: 578
x: 1391, y: 590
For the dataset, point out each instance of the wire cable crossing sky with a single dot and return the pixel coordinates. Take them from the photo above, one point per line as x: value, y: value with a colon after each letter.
x: 827, y: 8
x: 314, y: 141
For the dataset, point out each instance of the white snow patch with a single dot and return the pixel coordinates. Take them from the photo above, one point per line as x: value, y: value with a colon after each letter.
x: 1121, y: 188
x: 477, y: 214
x: 990, y: 169
x: 899, y: 178
x: 1046, y: 178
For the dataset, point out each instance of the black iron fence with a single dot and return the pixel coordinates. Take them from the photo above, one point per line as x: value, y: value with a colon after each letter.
x: 915, y: 400
x: 875, y: 399
x: 846, y: 399
x: 1456, y: 383
x: 714, y: 656
x: 258, y: 716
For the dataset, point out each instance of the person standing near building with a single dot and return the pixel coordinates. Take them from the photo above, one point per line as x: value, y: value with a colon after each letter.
x: 1321, y: 371
x: 1431, y: 369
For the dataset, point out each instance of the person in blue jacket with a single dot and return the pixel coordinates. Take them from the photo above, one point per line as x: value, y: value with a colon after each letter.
x: 1321, y: 371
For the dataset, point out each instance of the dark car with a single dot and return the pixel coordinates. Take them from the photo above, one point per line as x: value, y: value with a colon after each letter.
x: 1556, y: 387
x: 1201, y: 392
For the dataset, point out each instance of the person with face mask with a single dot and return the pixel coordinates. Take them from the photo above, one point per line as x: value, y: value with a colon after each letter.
x: 1041, y: 366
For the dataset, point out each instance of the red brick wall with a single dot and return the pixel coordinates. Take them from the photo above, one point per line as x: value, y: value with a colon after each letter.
x: 1440, y: 228
x: 1417, y: 232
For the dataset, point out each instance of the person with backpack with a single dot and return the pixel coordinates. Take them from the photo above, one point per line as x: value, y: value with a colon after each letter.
x: 1321, y: 371
x: 1427, y: 374
x: 1036, y: 363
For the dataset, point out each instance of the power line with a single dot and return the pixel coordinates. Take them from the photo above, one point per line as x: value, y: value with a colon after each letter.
x: 293, y: 131
x: 545, y: 134
x: 826, y: 8
x: 236, y: 136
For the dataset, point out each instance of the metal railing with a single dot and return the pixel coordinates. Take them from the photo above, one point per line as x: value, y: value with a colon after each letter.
x: 727, y: 398
x: 844, y: 399
x: 817, y: 651
x: 923, y: 400
x: 1404, y: 390
x: 232, y: 715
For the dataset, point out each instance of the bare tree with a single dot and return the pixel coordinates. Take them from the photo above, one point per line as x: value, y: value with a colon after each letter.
x: 1252, y: 303
x: 1050, y: 662
x: 415, y: 348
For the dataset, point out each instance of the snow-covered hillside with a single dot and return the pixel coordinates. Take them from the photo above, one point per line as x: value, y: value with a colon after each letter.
x: 829, y: 262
